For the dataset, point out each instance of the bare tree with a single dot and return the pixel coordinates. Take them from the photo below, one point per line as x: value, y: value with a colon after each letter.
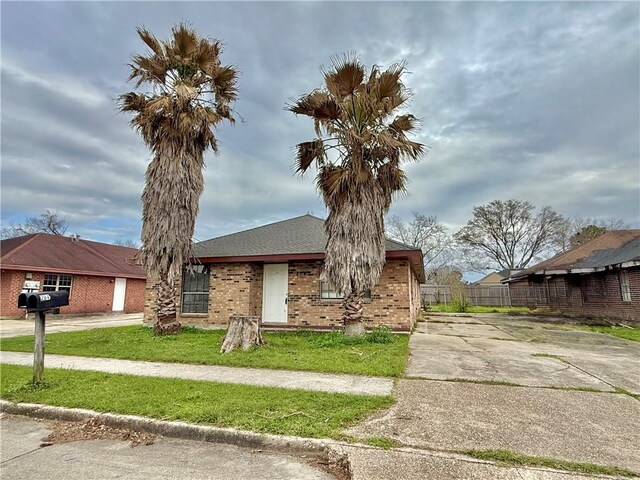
x: 48, y: 222
x: 444, y: 275
x: 427, y: 234
x: 510, y: 234
x: 127, y: 242
x: 580, y: 230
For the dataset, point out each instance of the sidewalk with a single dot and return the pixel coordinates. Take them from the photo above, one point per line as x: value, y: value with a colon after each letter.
x: 323, y: 382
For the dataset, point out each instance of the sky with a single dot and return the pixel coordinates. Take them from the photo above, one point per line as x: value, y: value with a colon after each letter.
x: 531, y: 101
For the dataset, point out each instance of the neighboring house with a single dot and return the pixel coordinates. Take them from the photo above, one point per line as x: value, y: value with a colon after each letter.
x: 99, y: 277
x: 273, y: 272
x: 494, y: 279
x: 600, y: 278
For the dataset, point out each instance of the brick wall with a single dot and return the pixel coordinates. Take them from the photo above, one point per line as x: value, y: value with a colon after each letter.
x: 415, y: 300
x: 233, y: 288
x: 255, y: 290
x: 237, y: 288
x: 230, y: 290
x: 390, y: 302
x: 134, y: 297
x: 89, y: 294
x: 595, y: 295
x: 11, y: 282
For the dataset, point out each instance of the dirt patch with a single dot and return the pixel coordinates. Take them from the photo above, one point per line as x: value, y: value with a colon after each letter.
x: 65, y: 432
x: 338, y: 468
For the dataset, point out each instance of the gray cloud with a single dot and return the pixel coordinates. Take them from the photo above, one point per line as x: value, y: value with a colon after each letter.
x: 536, y: 101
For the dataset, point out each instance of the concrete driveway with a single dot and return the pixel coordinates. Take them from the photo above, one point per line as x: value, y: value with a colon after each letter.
x: 56, y: 323
x: 499, y: 382
x: 532, y: 353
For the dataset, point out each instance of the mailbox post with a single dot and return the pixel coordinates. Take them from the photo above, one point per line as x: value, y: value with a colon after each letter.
x: 39, y: 303
x: 38, y: 348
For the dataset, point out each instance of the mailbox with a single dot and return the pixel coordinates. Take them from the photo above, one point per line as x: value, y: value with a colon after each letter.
x: 43, y: 301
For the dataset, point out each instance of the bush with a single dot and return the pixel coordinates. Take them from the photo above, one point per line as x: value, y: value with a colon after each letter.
x: 380, y: 334
x: 461, y: 304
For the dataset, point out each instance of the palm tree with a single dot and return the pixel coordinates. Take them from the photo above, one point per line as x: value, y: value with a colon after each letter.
x: 190, y: 93
x: 359, y: 147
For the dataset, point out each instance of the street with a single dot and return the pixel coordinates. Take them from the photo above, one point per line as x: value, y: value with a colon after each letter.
x: 23, y: 457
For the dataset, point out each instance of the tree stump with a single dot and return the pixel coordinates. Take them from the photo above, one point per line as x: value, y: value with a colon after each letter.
x: 243, y: 331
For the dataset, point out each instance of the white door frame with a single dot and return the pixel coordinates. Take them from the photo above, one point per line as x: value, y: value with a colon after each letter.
x: 278, y: 310
x: 119, y: 294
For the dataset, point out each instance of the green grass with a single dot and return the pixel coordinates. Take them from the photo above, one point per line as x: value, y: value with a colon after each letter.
x: 628, y: 333
x: 483, y: 382
x: 385, y: 443
x: 259, y: 409
x: 624, y: 391
x: 512, y: 458
x: 549, y: 355
x: 310, y: 351
x: 449, y: 308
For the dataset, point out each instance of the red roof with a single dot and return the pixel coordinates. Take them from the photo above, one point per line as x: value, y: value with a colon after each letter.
x: 610, y: 248
x: 57, y: 254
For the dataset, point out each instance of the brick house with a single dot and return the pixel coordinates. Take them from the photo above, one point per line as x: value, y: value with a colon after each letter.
x: 494, y: 279
x: 273, y: 272
x: 600, y: 278
x: 99, y: 277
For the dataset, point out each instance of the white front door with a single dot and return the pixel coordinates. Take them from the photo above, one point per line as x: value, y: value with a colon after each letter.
x: 274, y: 293
x: 119, y: 291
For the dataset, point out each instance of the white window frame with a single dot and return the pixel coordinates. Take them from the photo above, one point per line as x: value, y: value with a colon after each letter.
x: 333, y: 294
x: 625, y: 286
x: 57, y: 285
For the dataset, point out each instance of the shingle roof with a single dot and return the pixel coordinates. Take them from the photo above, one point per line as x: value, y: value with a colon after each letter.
x: 501, y: 275
x: 55, y: 253
x: 609, y: 249
x: 304, y: 234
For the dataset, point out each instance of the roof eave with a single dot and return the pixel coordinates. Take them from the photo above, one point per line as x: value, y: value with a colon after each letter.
x: 632, y: 263
x: 28, y: 268
x: 415, y: 256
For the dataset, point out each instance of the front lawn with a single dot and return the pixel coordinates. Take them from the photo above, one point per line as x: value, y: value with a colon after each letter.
x: 260, y: 409
x: 629, y: 333
x: 450, y: 308
x: 311, y: 351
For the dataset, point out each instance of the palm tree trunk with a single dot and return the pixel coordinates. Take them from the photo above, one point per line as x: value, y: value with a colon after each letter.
x: 352, y: 315
x: 166, y: 319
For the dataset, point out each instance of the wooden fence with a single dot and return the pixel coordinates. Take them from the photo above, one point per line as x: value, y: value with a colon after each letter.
x: 481, y: 295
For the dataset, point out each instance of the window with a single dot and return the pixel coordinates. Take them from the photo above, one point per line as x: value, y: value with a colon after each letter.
x: 329, y: 292
x: 593, y: 288
x: 195, y: 289
x: 625, y: 287
x: 557, y: 289
x: 53, y: 282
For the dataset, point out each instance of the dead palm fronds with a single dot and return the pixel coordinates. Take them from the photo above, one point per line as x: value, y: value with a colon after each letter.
x: 190, y: 93
x: 359, y: 148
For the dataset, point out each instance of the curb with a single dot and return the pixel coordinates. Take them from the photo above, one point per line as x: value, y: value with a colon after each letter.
x: 326, y: 449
